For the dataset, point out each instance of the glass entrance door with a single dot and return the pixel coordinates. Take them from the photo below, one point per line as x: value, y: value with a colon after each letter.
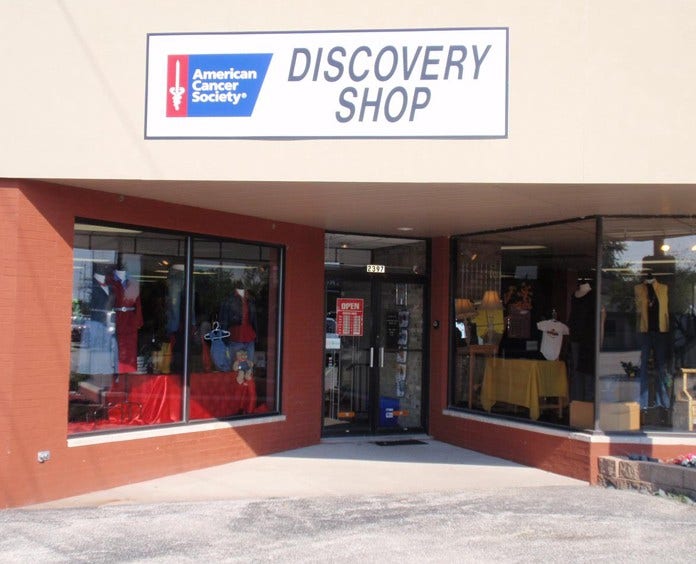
x: 373, y: 370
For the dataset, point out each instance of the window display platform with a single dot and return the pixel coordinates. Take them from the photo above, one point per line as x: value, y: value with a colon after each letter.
x: 150, y: 399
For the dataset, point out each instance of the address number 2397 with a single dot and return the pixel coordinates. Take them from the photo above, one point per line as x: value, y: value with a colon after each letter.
x: 376, y: 268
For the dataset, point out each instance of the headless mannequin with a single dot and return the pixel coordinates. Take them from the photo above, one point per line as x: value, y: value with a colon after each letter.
x: 101, y: 280
x: 582, y: 345
x: 653, y: 333
x: 129, y: 320
x: 98, y: 353
x: 243, y: 327
x: 583, y: 290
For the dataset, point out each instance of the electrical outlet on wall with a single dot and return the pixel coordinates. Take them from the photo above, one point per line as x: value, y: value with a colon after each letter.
x: 43, y: 455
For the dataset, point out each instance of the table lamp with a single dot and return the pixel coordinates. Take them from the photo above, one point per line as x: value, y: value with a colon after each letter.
x: 464, y: 310
x: 490, y: 303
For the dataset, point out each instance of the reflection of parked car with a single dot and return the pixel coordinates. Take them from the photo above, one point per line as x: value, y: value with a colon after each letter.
x: 81, y: 326
x: 78, y: 325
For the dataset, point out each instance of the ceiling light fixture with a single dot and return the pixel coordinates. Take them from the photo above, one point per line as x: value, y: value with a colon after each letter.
x: 404, y: 228
x: 521, y: 247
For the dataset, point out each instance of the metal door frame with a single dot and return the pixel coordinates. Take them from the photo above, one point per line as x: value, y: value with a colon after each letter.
x: 375, y: 281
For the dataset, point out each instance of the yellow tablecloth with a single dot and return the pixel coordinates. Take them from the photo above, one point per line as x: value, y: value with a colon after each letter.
x: 523, y: 382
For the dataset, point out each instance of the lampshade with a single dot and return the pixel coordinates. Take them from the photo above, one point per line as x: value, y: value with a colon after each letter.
x: 491, y: 300
x: 464, y: 308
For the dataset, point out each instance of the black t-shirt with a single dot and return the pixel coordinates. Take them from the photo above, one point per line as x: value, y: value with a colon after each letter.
x: 653, y: 310
x: 581, y: 320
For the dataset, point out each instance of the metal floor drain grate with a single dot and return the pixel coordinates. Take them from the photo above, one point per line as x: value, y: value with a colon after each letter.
x: 401, y: 442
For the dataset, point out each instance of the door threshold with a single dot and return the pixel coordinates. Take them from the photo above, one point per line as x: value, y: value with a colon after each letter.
x: 374, y: 438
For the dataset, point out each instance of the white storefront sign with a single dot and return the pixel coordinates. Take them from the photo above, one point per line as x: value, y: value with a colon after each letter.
x: 446, y: 83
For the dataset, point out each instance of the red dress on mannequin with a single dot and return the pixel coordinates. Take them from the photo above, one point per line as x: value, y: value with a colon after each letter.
x: 129, y: 318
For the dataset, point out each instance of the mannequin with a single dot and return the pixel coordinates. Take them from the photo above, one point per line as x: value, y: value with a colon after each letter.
x: 99, y: 350
x: 238, y: 316
x: 129, y: 319
x: 583, y: 289
x: 652, y: 311
x: 101, y: 280
x: 581, y: 323
x: 175, y: 289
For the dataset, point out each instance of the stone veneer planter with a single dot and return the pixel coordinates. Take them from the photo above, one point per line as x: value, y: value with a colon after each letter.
x: 623, y: 473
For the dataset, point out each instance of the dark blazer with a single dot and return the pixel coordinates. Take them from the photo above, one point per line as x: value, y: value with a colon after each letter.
x: 231, y: 312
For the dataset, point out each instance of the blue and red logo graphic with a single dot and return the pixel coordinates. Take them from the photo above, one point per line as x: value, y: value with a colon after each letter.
x: 219, y: 85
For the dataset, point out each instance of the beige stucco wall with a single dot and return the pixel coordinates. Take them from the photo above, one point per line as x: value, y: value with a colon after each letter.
x: 598, y: 92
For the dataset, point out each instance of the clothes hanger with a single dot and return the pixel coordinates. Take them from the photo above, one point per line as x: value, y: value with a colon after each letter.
x: 216, y: 333
x: 213, y: 332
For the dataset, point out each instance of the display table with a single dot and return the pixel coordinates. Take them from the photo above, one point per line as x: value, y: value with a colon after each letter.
x: 474, y: 351
x: 523, y: 382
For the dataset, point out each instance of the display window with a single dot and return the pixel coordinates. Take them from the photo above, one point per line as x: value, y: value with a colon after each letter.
x: 587, y: 323
x: 517, y: 293
x: 170, y: 328
x: 648, y: 326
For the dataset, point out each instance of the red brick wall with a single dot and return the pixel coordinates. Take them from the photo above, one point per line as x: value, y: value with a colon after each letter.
x: 8, y: 291
x: 439, y: 338
x: 36, y: 226
x: 558, y: 454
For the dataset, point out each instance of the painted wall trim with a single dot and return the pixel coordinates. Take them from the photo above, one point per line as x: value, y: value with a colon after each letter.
x: 170, y: 431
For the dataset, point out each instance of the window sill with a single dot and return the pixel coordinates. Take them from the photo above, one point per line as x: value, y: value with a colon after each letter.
x: 149, y: 433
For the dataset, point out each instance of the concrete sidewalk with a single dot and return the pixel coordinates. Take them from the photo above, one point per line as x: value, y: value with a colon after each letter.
x: 355, y: 502
x: 336, y: 467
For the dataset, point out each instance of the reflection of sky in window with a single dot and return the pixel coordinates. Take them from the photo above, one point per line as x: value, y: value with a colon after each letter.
x: 632, y: 256
x: 83, y: 261
x: 680, y: 249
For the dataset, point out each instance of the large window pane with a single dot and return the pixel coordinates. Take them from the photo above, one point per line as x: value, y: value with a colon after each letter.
x: 147, y: 339
x: 235, y: 311
x: 524, y: 331
x: 124, y: 292
x: 648, y: 329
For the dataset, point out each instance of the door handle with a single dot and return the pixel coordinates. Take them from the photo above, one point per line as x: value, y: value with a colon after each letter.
x: 372, y: 357
x: 381, y: 357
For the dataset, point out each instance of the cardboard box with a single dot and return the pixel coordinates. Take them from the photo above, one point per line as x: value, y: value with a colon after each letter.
x: 683, y: 415
x: 619, y: 416
x: 619, y: 389
x: 582, y: 414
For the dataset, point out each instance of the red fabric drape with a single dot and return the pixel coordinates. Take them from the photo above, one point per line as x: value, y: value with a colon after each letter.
x: 148, y: 399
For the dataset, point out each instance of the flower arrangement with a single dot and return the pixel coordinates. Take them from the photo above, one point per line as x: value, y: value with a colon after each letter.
x: 630, y: 369
x: 686, y: 460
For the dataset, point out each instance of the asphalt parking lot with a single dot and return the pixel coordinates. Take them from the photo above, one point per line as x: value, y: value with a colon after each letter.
x: 335, y: 502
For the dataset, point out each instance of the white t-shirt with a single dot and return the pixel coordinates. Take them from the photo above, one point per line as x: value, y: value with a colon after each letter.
x: 552, y: 338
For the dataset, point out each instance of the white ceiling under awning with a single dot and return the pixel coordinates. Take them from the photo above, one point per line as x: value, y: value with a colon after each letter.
x: 428, y: 210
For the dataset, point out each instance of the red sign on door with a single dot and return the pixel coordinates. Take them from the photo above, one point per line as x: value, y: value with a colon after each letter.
x: 349, y: 317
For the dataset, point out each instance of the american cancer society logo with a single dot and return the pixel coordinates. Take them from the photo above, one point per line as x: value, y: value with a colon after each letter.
x: 220, y: 85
